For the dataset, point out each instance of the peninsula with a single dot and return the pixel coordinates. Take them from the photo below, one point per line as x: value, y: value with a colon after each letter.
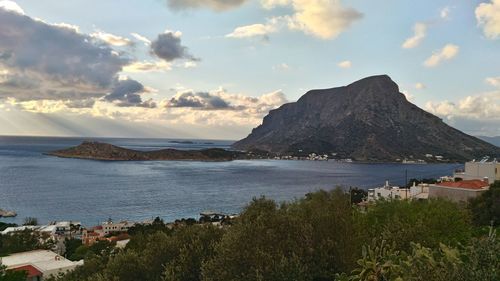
x: 93, y: 150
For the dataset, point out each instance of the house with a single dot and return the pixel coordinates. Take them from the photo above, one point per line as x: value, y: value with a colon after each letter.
x: 458, y: 191
x: 387, y: 192
x: 479, y: 170
x: 91, y: 236
x: 14, y: 229
x: 39, y: 264
x: 110, y: 227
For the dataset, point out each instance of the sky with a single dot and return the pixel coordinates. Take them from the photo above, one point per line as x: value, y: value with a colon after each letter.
x: 213, y: 69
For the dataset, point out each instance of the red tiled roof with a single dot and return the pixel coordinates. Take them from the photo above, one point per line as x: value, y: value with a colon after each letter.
x: 31, y: 270
x: 468, y: 184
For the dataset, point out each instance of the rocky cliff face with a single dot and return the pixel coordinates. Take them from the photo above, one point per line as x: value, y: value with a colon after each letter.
x: 366, y: 120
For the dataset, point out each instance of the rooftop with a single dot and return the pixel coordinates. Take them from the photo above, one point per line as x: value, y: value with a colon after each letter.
x: 43, y: 260
x: 30, y: 270
x: 467, y: 184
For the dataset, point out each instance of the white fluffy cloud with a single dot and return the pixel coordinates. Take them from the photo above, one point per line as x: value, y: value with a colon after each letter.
x: 488, y: 17
x: 111, y: 39
x: 448, y: 52
x: 258, y: 29
x: 325, y: 19
x: 11, y: 6
x: 493, y: 81
x: 483, y: 106
x: 148, y: 66
x: 419, y: 86
x: 345, y: 64
x: 419, y: 32
x: 141, y: 38
x: 445, y: 13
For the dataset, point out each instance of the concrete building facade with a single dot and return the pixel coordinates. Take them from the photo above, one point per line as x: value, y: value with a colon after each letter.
x: 461, y: 191
x: 479, y: 170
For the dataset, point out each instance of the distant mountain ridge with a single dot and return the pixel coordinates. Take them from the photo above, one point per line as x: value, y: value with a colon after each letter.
x: 492, y: 140
x: 368, y: 120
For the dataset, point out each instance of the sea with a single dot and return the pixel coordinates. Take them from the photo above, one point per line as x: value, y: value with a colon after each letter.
x: 55, y: 189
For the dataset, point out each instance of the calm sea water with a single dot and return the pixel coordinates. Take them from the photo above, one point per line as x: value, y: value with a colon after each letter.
x: 52, y: 188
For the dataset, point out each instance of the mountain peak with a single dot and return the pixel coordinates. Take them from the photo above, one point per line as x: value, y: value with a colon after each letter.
x: 365, y: 120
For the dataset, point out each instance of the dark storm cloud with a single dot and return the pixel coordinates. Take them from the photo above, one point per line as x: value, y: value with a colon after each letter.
x: 45, y: 61
x: 216, y: 5
x: 127, y: 93
x: 201, y: 100
x: 168, y: 46
x: 57, y: 52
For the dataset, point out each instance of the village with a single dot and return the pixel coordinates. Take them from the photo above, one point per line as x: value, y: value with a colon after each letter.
x: 462, y: 186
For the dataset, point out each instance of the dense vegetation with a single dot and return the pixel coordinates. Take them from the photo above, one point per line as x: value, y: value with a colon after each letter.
x: 25, y: 240
x: 317, y: 238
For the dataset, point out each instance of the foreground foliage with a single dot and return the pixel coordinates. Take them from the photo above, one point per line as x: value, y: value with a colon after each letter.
x: 320, y: 237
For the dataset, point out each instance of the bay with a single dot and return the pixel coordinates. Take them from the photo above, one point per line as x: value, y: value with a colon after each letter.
x: 54, y: 189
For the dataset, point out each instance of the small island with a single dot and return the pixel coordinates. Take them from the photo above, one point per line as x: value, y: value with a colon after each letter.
x: 7, y: 214
x: 93, y: 150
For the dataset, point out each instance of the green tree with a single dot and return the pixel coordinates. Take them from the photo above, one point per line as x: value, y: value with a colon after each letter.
x: 264, y: 243
x: 485, y: 208
x: 428, y: 222
x: 25, y: 240
x: 30, y: 221
x: 71, y: 245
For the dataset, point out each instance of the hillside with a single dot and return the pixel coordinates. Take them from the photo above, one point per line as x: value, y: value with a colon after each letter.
x: 368, y: 120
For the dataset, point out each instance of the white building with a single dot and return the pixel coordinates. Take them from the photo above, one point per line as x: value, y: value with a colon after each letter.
x: 109, y: 227
x: 388, y: 192
x: 480, y: 170
x: 39, y: 264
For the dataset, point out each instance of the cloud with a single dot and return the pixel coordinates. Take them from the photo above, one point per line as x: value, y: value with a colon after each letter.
x: 419, y: 30
x: 484, y: 106
x: 446, y: 53
x: 281, y: 67
x: 345, y: 64
x: 257, y: 29
x: 11, y: 6
x: 269, y: 4
x: 141, y: 38
x: 148, y: 66
x: 420, y: 86
x: 445, y: 13
x: 488, y: 17
x: 408, y: 96
x: 128, y: 93
x: 220, y: 108
x: 325, y: 19
x: 168, y: 46
x: 216, y: 5
x: 111, y: 39
x: 47, y: 61
x: 201, y: 100
x: 493, y: 81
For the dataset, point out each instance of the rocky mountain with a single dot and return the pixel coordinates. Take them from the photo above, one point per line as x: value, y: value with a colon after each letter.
x: 368, y: 120
x: 105, y: 151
